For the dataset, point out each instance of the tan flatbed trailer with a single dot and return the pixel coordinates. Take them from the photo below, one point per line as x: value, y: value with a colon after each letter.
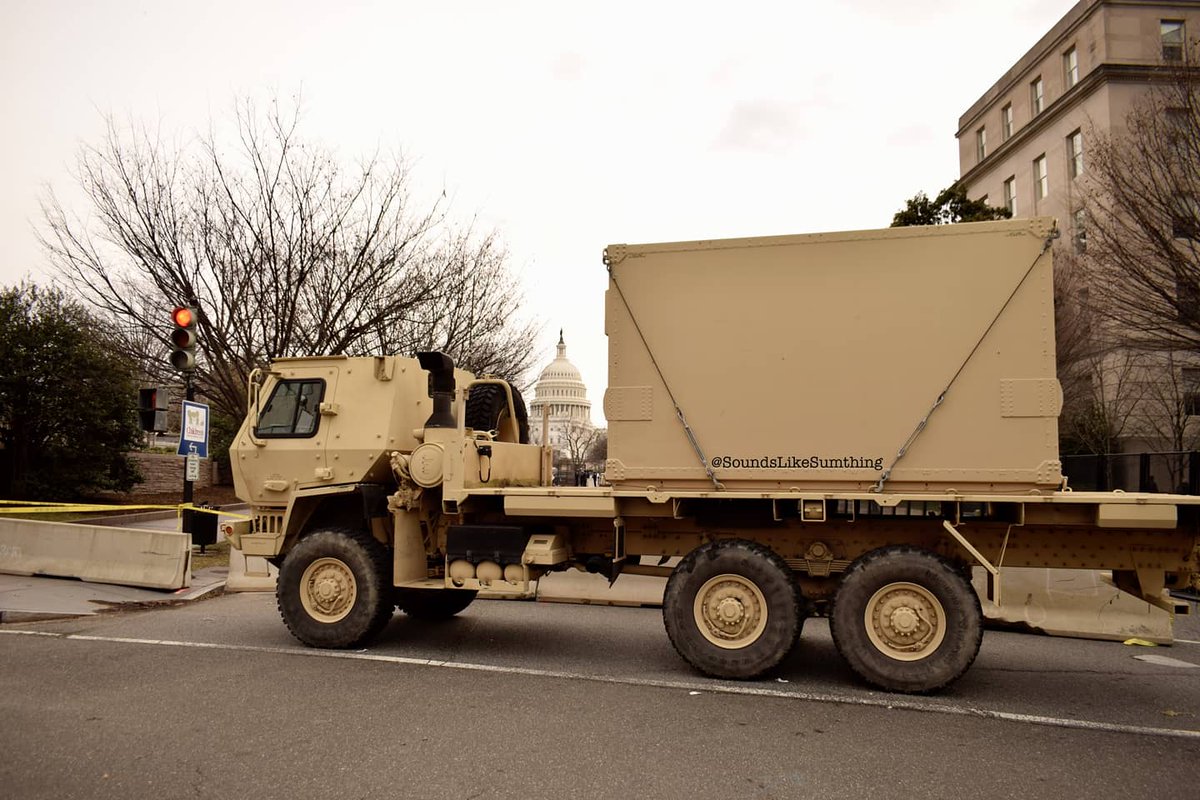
x: 877, y: 416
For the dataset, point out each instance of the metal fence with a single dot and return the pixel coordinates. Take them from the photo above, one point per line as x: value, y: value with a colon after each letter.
x: 1134, y: 472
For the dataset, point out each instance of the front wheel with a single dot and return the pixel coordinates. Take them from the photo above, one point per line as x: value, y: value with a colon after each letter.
x: 732, y: 609
x: 906, y: 620
x: 333, y: 588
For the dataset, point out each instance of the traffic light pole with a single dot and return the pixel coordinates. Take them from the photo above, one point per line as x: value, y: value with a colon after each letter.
x: 189, y: 394
x: 183, y: 358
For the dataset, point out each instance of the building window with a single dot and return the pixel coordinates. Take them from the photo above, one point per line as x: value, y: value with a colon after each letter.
x: 1178, y: 123
x: 1037, y: 95
x: 1080, y: 231
x: 1010, y: 195
x: 1075, y: 154
x: 1041, y: 178
x: 1185, y: 222
x: 1191, y: 389
x: 1006, y: 122
x: 1071, y: 67
x: 1187, y: 297
x: 981, y: 144
x: 1171, y: 31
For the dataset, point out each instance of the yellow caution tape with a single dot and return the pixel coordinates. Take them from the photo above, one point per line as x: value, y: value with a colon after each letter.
x: 1140, y: 643
x: 36, y: 507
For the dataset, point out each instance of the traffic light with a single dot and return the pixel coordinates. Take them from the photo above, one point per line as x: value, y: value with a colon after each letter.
x: 152, y: 409
x: 183, y: 339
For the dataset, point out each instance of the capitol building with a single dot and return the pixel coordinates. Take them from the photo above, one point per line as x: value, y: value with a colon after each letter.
x: 560, y: 389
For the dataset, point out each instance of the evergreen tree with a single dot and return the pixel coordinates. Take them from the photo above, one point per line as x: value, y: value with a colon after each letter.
x: 950, y: 206
x: 67, y: 401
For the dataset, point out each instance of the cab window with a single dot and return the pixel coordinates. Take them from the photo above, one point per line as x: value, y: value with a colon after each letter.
x: 292, y: 410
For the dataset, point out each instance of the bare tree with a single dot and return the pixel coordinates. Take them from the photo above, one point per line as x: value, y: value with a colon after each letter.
x: 1075, y: 325
x: 598, y: 453
x: 1167, y: 404
x: 1105, y: 410
x: 1167, y: 419
x: 468, y: 315
x: 576, y: 444
x: 1140, y: 210
x: 284, y: 250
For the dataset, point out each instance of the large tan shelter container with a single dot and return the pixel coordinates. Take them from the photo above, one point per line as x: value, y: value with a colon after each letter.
x: 812, y: 362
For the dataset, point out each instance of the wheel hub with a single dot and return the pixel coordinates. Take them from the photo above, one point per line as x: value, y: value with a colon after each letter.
x: 328, y: 590
x: 730, y: 611
x: 905, y: 621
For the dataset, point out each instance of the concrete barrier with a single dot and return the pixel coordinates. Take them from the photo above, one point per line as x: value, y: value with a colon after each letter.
x: 1078, y: 603
x: 95, y: 553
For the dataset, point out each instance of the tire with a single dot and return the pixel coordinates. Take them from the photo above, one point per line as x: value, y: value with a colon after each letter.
x: 487, y: 406
x: 906, y: 620
x: 334, y: 588
x: 732, y: 609
x: 433, y: 603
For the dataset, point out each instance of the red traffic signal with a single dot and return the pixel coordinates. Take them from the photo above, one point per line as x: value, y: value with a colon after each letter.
x: 183, y: 339
x: 184, y: 317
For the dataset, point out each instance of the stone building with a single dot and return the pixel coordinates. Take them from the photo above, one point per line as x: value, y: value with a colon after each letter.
x: 560, y: 389
x: 1024, y: 143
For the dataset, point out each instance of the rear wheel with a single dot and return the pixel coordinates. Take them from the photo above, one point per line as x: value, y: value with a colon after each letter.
x: 433, y: 603
x: 732, y: 609
x: 487, y: 407
x: 906, y: 620
x: 333, y: 588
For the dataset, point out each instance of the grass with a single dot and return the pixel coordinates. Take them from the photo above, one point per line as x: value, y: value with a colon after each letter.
x: 215, y: 555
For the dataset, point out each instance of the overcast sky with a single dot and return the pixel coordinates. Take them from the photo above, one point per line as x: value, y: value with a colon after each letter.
x: 566, y: 126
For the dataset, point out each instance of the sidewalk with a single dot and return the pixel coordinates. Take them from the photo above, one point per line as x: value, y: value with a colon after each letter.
x: 26, y: 598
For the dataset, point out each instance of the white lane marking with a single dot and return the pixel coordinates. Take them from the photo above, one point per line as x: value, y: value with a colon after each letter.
x: 891, y: 702
x: 1186, y: 641
x: 1166, y: 661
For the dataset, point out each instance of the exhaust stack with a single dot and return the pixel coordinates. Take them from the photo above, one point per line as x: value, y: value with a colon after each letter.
x: 441, y: 388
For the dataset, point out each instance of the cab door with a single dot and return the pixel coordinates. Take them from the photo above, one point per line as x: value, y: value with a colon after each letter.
x: 291, y: 436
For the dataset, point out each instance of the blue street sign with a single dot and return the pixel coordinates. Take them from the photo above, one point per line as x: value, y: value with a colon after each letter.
x: 193, y: 429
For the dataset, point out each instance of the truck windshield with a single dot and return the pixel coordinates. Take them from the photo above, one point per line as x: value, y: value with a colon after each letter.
x: 292, y: 410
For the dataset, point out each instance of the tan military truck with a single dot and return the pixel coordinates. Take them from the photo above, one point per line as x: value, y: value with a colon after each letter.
x: 841, y: 424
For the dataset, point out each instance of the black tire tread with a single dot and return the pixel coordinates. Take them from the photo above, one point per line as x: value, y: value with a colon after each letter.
x: 776, y: 642
x: 964, y: 620
x: 487, y: 404
x: 368, y: 621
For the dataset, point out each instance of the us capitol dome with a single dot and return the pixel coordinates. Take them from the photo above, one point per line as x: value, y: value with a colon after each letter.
x: 560, y: 388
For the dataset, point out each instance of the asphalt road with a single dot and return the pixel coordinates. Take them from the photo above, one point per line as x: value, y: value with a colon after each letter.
x: 215, y: 699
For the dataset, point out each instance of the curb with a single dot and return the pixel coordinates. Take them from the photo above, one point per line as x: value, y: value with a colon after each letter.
x: 121, y: 520
x: 199, y: 594
x: 15, y: 617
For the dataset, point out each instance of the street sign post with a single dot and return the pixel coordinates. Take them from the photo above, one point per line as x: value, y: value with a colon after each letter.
x: 191, y: 471
x: 193, y: 429
x: 193, y: 445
